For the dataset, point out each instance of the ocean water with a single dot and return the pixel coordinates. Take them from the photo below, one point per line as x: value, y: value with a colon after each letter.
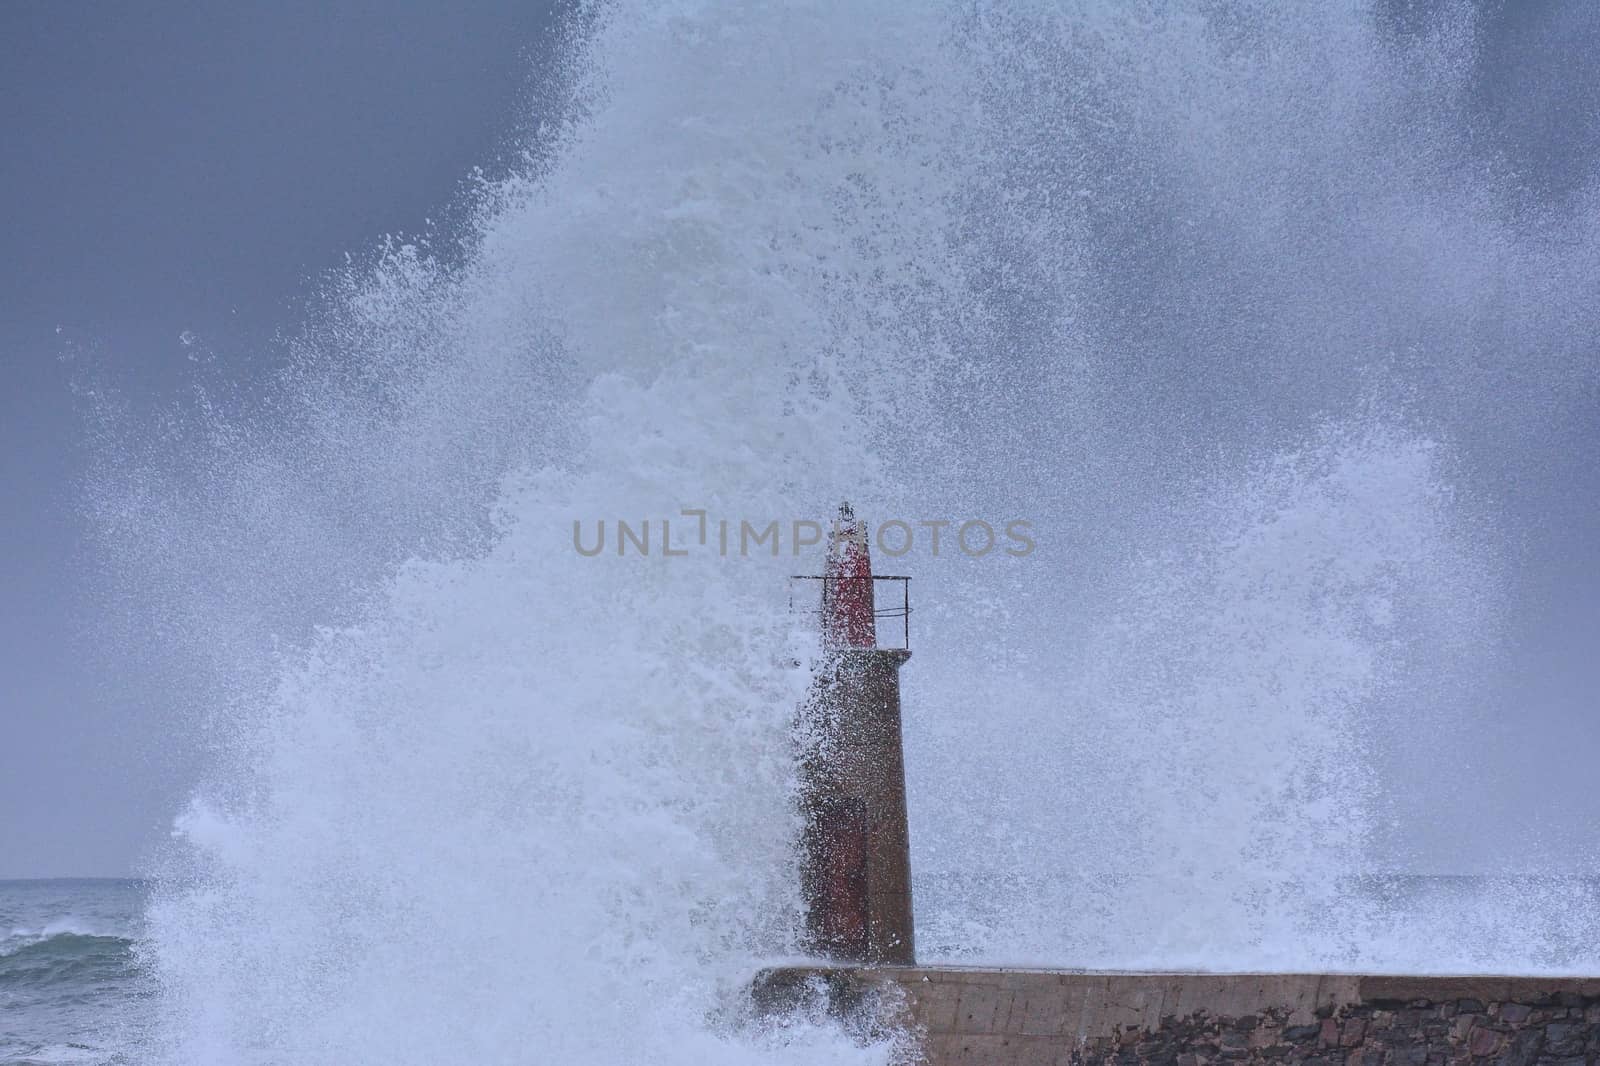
x: 71, y: 989
x: 1228, y: 301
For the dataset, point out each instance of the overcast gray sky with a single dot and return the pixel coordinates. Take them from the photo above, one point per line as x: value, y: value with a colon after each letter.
x: 187, y: 167
x: 174, y: 167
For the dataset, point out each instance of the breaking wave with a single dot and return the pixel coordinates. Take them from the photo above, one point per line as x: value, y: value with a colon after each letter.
x: 1214, y: 295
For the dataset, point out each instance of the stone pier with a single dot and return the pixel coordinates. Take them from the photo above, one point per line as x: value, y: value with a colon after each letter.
x: 984, y: 1017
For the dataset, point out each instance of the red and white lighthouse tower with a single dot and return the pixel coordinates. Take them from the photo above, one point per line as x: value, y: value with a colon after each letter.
x: 856, y: 859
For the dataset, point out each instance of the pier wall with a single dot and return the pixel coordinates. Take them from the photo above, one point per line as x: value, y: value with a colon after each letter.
x: 976, y: 1017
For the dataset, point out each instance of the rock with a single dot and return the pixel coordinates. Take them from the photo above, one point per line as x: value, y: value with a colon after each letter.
x: 1564, y: 1038
x: 1515, y: 1013
x: 1525, y: 1047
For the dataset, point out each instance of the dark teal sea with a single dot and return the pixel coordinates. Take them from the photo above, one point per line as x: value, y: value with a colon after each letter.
x: 70, y: 987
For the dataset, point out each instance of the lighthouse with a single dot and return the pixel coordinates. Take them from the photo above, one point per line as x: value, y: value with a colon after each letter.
x: 855, y: 847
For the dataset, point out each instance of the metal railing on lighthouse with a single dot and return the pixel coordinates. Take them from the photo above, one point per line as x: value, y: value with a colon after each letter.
x: 836, y: 585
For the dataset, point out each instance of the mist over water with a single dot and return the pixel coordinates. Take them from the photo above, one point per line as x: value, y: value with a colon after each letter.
x: 1229, y: 301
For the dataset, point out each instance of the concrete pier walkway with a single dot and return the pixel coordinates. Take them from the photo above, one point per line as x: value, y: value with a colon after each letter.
x: 1006, y: 1017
